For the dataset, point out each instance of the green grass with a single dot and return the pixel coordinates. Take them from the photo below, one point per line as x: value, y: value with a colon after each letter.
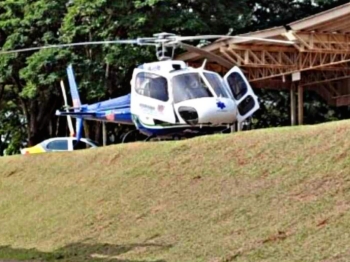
x: 279, y: 194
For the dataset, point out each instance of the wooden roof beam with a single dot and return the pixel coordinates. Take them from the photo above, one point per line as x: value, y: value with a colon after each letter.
x: 268, y: 48
x: 210, y: 56
x: 323, y: 92
x: 328, y: 26
x: 309, y: 61
x: 263, y: 58
x: 342, y: 100
x: 274, y: 84
x: 330, y: 43
x: 318, y: 77
x: 299, y: 61
x: 322, y: 17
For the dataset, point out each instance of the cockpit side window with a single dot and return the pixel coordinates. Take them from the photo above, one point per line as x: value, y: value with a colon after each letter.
x: 237, y: 85
x: 152, y: 85
x: 217, y: 84
x: 189, y: 86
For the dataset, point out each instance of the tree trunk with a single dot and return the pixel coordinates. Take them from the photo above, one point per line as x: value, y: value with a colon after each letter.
x: 40, y: 116
x: 62, y: 126
x: 86, y: 126
x: 98, y: 129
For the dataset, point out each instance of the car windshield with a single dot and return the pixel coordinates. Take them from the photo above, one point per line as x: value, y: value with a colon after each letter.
x: 189, y: 86
x: 217, y: 84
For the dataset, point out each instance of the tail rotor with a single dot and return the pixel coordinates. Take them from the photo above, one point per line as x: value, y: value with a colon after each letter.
x: 69, y: 119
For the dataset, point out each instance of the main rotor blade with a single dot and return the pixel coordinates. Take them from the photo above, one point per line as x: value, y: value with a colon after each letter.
x: 72, y: 44
x: 203, y: 37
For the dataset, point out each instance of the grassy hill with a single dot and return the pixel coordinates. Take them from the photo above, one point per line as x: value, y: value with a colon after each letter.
x: 265, y: 195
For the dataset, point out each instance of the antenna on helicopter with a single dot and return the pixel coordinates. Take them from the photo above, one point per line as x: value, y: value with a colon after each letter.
x: 204, y: 63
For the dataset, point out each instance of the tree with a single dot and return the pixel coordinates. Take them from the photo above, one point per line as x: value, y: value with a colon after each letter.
x: 33, y: 77
x: 267, y: 14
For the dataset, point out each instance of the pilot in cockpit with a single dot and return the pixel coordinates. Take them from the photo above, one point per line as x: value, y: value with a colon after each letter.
x: 196, y: 89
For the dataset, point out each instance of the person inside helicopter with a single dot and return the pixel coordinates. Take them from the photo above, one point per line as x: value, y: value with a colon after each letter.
x: 217, y: 84
x: 152, y: 85
x: 189, y: 86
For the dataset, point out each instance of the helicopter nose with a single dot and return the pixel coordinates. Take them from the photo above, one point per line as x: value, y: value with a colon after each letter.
x: 189, y: 115
x: 214, y: 111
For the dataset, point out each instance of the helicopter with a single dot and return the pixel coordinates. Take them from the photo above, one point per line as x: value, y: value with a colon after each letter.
x: 168, y: 99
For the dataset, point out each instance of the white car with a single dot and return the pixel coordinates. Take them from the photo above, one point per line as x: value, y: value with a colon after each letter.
x: 60, y: 144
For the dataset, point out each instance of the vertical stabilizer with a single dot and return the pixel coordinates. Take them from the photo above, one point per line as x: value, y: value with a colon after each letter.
x: 73, y: 88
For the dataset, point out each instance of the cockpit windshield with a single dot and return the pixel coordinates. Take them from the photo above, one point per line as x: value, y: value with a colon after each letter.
x: 189, y: 86
x: 217, y: 84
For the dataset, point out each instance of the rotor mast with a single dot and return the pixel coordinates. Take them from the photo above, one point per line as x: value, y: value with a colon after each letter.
x: 164, y: 52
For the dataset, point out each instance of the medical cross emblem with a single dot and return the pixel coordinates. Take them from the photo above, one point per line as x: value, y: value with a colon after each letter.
x: 220, y: 105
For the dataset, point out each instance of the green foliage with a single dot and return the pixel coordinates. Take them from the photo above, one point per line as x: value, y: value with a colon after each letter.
x: 274, y: 109
x: 34, y: 76
x: 11, y: 138
x: 266, y: 13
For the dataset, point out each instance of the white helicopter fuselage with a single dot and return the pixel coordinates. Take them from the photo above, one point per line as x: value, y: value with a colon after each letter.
x: 169, y: 94
x: 208, y: 110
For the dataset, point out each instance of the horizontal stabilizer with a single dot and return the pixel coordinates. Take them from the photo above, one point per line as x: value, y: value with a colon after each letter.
x: 75, y: 114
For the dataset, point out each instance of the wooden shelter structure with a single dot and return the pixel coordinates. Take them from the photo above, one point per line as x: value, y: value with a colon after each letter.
x: 319, y: 60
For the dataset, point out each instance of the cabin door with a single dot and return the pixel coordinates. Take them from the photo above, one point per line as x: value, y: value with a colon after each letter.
x: 242, y: 93
x: 150, y: 99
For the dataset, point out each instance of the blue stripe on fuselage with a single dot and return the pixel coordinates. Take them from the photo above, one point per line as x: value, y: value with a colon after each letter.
x: 115, y: 103
x: 114, y: 110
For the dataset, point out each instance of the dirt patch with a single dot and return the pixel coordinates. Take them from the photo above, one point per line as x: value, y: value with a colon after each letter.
x: 312, y: 190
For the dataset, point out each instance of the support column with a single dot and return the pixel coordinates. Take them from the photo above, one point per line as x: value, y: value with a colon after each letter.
x: 239, y: 126
x: 104, y: 133
x: 293, y: 114
x: 300, y: 104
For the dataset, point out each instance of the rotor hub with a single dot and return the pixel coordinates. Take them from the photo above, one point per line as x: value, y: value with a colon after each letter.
x: 164, y: 50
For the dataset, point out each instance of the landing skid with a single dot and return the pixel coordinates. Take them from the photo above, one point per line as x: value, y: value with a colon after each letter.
x: 131, y: 136
x: 149, y: 138
x: 135, y: 135
x: 187, y: 134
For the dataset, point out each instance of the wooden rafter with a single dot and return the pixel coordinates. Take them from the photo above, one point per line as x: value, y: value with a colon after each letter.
x: 263, y: 64
x: 322, y: 43
x: 220, y: 60
x: 342, y: 100
x: 318, y: 77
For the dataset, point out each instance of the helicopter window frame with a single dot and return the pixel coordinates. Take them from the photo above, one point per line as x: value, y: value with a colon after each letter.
x: 202, y: 81
x: 237, y: 85
x: 219, y: 91
x: 145, y: 89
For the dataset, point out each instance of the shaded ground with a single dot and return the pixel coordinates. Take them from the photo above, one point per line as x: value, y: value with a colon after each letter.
x: 77, y: 253
x: 264, y: 195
